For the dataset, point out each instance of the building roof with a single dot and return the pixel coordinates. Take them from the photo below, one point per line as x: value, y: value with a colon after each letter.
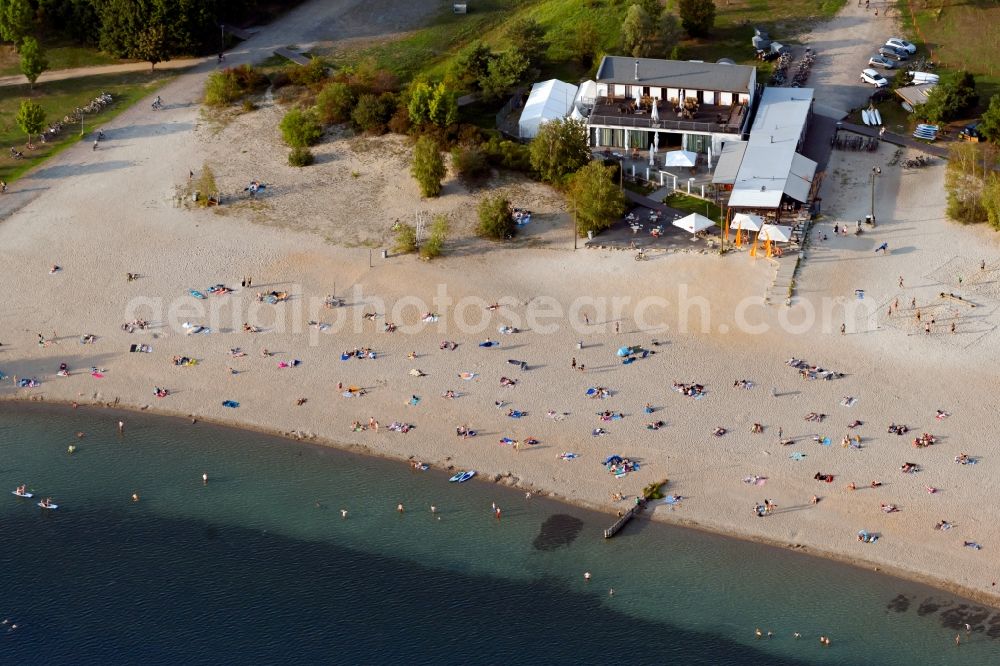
x: 548, y: 100
x: 915, y: 95
x: 729, y: 162
x: 771, y: 166
x: 675, y: 74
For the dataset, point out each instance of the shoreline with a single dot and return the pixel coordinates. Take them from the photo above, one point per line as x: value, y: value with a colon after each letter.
x: 902, y: 573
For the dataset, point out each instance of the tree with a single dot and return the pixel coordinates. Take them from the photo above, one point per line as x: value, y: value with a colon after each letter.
x: 559, y: 149
x: 150, y: 44
x: 300, y: 128
x: 473, y: 66
x: 529, y: 35
x: 638, y: 33
x: 432, y: 105
x: 584, y: 42
x: 434, y: 244
x: 30, y: 118
x: 469, y: 164
x: 15, y: 20
x: 428, y: 166
x: 334, y: 103
x: 991, y: 200
x: 669, y: 36
x: 950, y: 99
x: 406, y: 238
x: 989, y: 125
x: 372, y: 114
x: 33, y: 61
x: 503, y: 73
x: 595, y: 197
x: 652, y: 7
x: 697, y: 16
x: 496, y: 220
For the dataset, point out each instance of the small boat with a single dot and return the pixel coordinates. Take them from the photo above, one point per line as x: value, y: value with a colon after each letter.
x: 877, y: 116
x: 45, y: 504
x: 25, y: 494
x: 462, y: 477
x: 865, y: 117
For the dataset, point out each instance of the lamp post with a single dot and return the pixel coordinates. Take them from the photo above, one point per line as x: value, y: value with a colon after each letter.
x: 876, y: 171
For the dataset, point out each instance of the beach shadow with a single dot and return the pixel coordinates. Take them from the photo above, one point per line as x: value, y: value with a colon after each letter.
x: 67, y: 170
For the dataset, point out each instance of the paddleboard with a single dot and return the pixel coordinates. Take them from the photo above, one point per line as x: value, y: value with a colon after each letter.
x: 197, y: 294
x: 878, y: 116
x: 865, y: 117
x: 17, y: 494
x: 462, y: 477
x: 52, y: 507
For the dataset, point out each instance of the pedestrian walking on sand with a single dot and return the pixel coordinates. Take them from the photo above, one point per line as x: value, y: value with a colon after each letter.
x: 572, y: 363
x: 843, y: 329
x: 900, y: 281
x: 913, y: 303
x: 895, y: 304
x: 927, y: 328
x: 876, y: 12
x: 586, y: 319
x: 618, y: 327
x: 952, y: 327
x: 982, y: 264
x: 918, y: 315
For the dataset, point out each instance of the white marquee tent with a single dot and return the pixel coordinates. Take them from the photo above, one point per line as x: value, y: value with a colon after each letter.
x: 549, y: 100
x: 746, y: 222
x: 694, y: 223
x: 776, y: 233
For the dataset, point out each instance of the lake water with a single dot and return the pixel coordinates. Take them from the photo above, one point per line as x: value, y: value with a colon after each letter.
x: 258, y: 567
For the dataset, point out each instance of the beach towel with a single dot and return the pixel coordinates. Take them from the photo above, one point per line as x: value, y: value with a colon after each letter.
x: 516, y: 414
x: 672, y: 499
x: 568, y: 456
x: 825, y: 441
x: 230, y: 403
x: 797, y: 456
x: 630, y: 359
x: 96, y: 375
x: 430, y: 319
x: 467, y: 376
x: 345, y: 356
x: 196, y: 293
x: 489, y: 343
x: 507, y: 440
x: 414, y: 400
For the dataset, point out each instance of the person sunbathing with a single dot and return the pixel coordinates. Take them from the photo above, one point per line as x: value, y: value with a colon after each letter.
x: 756, y: 428
x: 889, y: 508
x: 449, y: 394
x: 719, y: 432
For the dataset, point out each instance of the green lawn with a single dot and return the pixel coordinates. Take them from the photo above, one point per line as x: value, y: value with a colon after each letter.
x: 59, y: 98
x: 958, y: 35
x: 61, y: 55
x: 690, y: 204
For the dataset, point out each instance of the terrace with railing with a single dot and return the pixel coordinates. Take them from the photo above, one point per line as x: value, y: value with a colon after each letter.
x: 692, y: 117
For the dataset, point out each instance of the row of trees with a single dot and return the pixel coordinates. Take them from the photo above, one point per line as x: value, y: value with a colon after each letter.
x: 649, y: 31
x: 973, y: 184
x: 150, y: 30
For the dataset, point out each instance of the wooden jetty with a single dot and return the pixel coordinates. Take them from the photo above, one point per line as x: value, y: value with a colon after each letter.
x: 623, y: 520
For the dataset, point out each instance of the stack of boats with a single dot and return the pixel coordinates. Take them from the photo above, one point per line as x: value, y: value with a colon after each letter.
x: 926, y: 132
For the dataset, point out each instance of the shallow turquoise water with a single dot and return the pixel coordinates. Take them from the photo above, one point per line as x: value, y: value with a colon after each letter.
x: 258, y: 566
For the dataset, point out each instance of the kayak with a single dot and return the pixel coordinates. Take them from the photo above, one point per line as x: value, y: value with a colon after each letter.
x: 27, y: 495
x: 462, y: 477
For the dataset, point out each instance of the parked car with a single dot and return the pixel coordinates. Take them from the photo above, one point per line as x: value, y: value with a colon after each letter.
x: 882, y: 61
x: 874, y: 78
x: 894, y: 53
x: 900, y: 43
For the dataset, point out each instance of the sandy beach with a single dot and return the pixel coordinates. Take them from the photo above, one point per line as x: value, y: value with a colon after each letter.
x: 99, y: 215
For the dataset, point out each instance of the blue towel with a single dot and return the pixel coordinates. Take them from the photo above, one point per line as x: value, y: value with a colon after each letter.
x: 230, y: 403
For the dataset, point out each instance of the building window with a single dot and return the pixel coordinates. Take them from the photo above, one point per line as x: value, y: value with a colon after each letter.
x: 645, y: 91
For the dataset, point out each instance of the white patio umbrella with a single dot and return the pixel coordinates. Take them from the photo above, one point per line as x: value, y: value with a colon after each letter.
x: 652, y: 154
x: 746, y: 222
x: 680, y: 158
x: 655, y: 113
x: 694, y: 223
x: 775, y: 233
x: 656, y: 140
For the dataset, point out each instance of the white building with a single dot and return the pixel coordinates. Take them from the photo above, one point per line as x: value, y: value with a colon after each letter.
x: 693, y: 105
x: 767, y: 173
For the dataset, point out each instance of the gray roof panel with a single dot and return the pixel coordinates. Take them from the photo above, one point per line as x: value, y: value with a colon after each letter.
x: 675, y: 74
